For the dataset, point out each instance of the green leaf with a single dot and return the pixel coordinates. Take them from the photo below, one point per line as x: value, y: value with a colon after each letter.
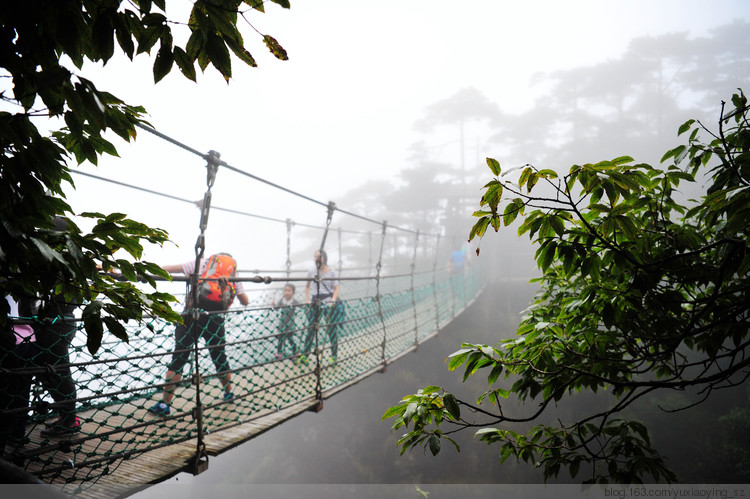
x: 145, y: 6
x: 628, y: 227
x: 185, y: 63
x: 451, y: 405
x: 275, y: 48
x: 494, y: 166
x: 486, y: 431
x: 685, y: 127
x: 681, y: 155
x: 532, y: 181
x: 116, y: 328
x: 492, y: 195
x: 46, y: 251
x: 479, y: 228
x: 242, y: 53
x: 393, y: 411
x: 430, y: 389
x: 525, y: 174
x: 103, y: 34
x: 218, y: 54
x: 222, y: 20
x: 92, y: 323
x: 558, y: 224
x: 622, y: 160
x: 410, y: 411
x: 512, y: 210
x: 255, y: 4
x: 434, y: 444
x: 497, y: 369
x: 458, y: 358
x: 546, y: 254
x: 551, y: 174
x: 148, y: 38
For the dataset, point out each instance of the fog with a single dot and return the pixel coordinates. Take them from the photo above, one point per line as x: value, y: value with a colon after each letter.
x: 353, y: 110
x: 389, y: 109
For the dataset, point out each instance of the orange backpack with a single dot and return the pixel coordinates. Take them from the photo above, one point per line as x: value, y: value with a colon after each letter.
x: 215, y: 294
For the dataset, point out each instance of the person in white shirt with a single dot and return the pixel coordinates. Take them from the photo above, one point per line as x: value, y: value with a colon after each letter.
x: 326, y: 293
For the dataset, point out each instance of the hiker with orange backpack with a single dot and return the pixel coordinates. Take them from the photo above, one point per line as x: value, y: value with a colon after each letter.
x: 215, y: 294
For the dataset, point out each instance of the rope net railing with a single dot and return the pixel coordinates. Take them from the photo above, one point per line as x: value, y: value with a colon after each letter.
x: 87, y: 415
x: 266, y: 359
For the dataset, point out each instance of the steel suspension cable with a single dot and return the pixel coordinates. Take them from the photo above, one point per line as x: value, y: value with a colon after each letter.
x: 153, y: 131
x: 215, y: 208
x: 267, y: 182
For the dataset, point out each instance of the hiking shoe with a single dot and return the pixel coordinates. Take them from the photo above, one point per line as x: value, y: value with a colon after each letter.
x: 302, y: 359
x: 160, y: 409
x: 58, y: 429
x: 228, y: 396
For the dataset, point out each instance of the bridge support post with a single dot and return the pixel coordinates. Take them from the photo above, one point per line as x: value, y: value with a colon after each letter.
x: 377, y: 297
x: 413, y: 298
x: 199, y: 462
x: 434, y: 284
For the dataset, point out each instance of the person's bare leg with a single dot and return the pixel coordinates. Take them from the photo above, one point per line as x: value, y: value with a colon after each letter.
x: 173, y: 378
x: 226, y: 382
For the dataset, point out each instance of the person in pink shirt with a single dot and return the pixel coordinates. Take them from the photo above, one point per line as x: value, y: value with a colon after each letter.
x: 18, y: 349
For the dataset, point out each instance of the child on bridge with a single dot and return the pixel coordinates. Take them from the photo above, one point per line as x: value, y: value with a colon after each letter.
x: 287, y: 307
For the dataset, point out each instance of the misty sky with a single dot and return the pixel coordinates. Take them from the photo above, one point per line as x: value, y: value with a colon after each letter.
x: 341, y: 111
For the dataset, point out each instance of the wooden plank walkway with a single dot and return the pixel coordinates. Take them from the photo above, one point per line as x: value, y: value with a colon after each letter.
x: 161, y: 464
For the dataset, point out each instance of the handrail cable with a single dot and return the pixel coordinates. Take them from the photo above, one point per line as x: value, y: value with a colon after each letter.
x: 198, y: 203
x: 268, y: 182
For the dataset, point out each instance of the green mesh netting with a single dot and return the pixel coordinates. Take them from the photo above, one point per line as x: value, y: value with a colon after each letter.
x: 374, y: 323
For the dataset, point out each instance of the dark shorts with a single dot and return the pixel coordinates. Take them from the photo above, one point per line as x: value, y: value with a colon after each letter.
x: 208, y: 327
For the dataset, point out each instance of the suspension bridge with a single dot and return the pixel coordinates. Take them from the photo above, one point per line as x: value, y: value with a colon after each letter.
x: 390, y: 306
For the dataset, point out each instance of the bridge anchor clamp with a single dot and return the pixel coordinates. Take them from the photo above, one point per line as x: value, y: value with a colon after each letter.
x: 198, y: 464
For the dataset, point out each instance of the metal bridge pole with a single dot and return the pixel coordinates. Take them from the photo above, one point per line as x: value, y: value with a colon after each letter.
x: 316, y: 312
x: 341, y: 261
x: 434, y: 284
x: 289, y: 224
x: 369, y: 257
x: 453, y: 292
x: 413, y: 298
x: 199, y: 462
x: 378, y: 267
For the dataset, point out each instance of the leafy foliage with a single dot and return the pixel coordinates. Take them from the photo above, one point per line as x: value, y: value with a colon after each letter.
x: 37, y: 40
x: 641, y: 292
